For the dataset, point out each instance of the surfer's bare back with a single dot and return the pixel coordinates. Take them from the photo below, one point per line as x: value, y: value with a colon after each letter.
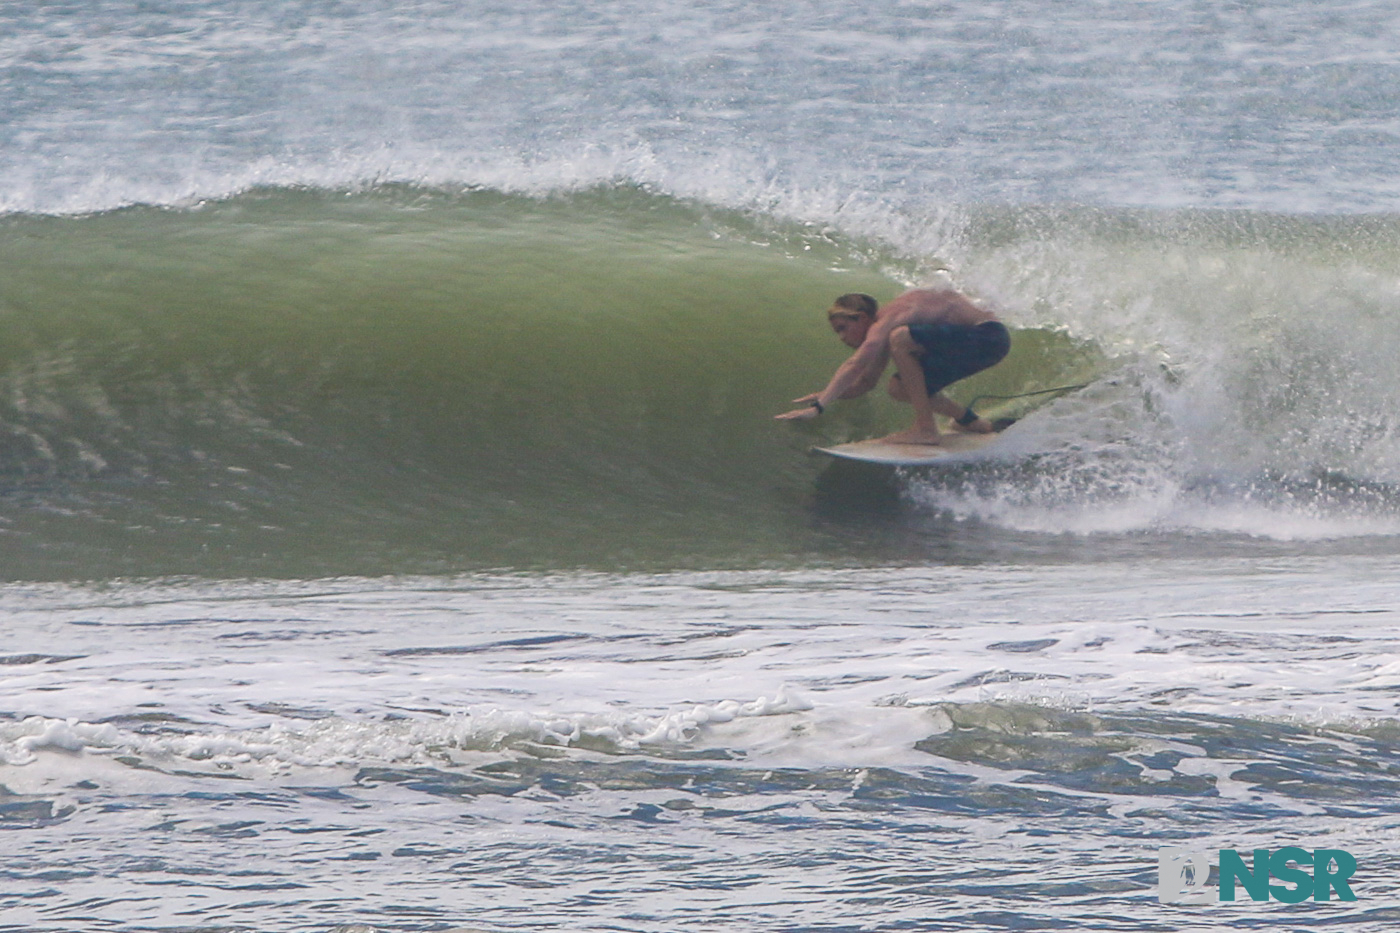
x: 935, y: 337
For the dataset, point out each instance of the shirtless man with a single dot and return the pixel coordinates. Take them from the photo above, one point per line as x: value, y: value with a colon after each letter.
x: 935, y: 338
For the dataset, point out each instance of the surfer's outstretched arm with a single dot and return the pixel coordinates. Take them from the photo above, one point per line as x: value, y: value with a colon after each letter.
x: 868, y: 382
x: 855, y: 377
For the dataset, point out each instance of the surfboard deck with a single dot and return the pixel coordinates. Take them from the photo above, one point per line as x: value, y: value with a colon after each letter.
x: 903, y: 455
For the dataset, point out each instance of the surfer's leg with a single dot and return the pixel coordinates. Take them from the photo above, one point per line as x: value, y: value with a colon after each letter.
x: 897, y: 389
x: 905, y: 352
x: 948, y: 408
x: 943, y: 405
x: 952, y: 352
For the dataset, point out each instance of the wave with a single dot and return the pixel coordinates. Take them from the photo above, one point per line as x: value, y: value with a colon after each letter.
x: 1137, y: 757
x: 407, y: 379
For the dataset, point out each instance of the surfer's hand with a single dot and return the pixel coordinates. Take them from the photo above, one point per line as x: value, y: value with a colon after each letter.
x: 809, y: 397
x: 798, y: 414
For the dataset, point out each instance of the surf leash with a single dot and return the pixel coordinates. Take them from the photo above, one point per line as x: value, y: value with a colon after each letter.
x: 1006, y: 398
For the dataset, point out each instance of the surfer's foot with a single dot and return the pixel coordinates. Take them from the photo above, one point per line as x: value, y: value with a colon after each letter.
x: 913, y: 436
x: 980, y: 426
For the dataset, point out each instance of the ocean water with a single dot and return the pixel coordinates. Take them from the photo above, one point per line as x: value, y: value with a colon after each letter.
x: 395, y: 535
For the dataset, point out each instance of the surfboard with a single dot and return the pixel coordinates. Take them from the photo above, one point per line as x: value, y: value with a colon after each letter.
x: 907, y: 455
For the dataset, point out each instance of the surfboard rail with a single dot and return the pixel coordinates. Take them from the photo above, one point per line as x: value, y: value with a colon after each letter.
x: 876, y: 450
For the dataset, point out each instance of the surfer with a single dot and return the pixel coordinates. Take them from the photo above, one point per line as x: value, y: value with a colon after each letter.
x: 935, y: 337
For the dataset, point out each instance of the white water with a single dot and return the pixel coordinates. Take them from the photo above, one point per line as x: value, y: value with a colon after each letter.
x: 451, y: 732
x: 677, y: 652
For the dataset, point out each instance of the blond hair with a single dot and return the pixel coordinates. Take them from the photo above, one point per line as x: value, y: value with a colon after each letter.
x: 854, y: 305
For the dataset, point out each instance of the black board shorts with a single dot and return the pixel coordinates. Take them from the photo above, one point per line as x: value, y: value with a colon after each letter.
x: 956, y: 351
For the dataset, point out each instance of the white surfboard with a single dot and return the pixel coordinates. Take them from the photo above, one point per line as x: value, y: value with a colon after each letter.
x: 907, y: 455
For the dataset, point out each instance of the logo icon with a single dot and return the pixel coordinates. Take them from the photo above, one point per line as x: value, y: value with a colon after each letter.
x: 1184, y: 874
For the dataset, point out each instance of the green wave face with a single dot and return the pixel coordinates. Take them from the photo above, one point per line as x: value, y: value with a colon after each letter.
x: 402, y: 380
